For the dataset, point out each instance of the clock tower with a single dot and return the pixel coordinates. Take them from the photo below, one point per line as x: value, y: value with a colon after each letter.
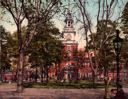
x: 68, y: 31
x: 70, y: 46
x: 69, y: 34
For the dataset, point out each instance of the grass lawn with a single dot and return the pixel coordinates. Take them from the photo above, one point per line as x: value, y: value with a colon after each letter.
x: 70, y: 85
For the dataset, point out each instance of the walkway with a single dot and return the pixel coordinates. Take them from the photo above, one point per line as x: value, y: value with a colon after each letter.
x: 7, y: 91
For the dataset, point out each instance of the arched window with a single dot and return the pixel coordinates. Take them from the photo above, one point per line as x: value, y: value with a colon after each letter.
x: 69, y: 23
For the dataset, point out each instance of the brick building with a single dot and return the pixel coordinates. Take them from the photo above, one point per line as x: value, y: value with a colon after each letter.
x: 73, y: 65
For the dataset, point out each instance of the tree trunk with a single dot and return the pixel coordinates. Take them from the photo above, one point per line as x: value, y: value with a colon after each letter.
x: 106, y: 82
x: 58, y: 72
x: 106, y: 88
x: 47, y: 74
x: 0, y: 57
x: 36, y: 75
x: 42, y: 74
x: 93, y: 78
x: 1, y: 80
x: 76, y: 73
x: 113, y: 74
x: 20, y: 61
x: 20, y: 72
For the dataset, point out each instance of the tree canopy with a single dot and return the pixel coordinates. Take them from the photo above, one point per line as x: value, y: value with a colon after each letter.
x: 4, y: 55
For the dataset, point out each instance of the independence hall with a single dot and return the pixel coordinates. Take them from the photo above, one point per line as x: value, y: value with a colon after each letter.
x: 73, y: 65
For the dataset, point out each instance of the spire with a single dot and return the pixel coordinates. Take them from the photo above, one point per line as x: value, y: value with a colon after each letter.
x: 69, y: 19
x: 69, y: 5
x: 69, y: 31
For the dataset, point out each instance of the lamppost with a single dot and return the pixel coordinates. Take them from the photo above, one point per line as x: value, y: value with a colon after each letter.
x: 117, y: 46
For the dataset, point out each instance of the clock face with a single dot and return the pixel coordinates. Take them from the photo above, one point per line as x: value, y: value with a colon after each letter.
x: 68, y: 36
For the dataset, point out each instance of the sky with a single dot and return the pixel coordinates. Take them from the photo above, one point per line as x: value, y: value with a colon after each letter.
x: 8, y: 22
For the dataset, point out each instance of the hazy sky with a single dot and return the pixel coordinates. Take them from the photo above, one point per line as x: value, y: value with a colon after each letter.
x: 8, y: 22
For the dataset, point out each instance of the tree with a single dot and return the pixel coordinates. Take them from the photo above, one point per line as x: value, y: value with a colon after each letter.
x: 105, y: 9
x: 124, y: 19
x: 124, y: 54
x: 124, y: 27
x: 104, y: 42
x: 86, y: 26
x: 4, y: 59
x: 47, y: 48
x: 34, y: 11
x: 80, y: 59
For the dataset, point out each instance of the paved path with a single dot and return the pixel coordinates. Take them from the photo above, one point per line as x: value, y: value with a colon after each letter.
x: 8, y: 91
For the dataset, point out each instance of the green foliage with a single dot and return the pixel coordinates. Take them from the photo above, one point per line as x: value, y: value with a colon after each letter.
x: 104, y: 42
x: 124, y: 19
x: 4, y: 59
x: 13, y: 43
x: 124, y: 54
x: 37, y: 13
x: 124, y: 27
x: 125, y: 14
x: 2, y: 13
x: 45, y: 47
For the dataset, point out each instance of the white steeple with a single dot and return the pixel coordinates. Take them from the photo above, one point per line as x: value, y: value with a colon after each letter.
x: 68, y: 31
